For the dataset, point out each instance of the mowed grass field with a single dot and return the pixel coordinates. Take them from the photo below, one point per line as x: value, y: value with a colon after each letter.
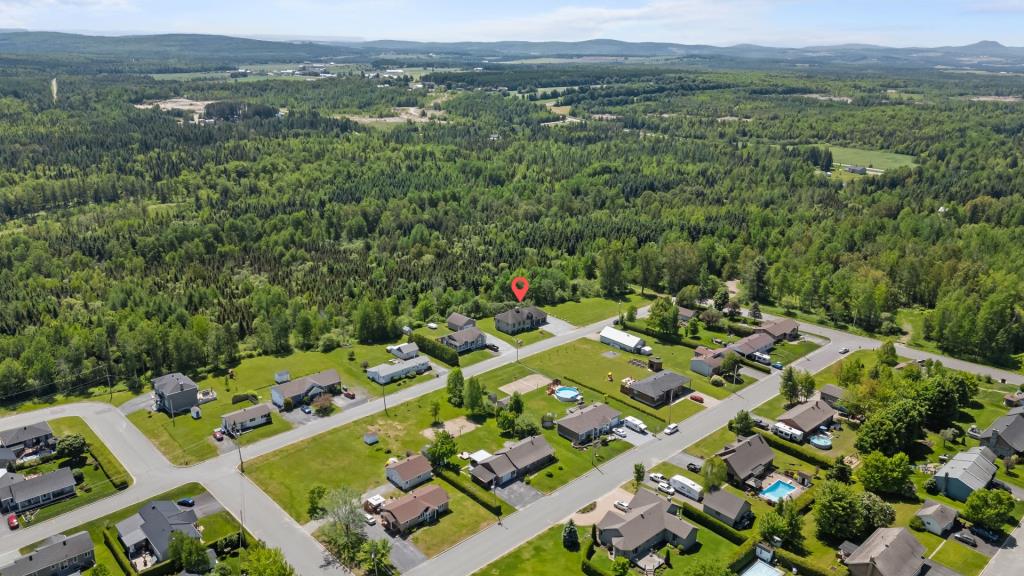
x: 527, y: 338
x: 542, y: 556
x: 590, y: 310
x: 870, y: 158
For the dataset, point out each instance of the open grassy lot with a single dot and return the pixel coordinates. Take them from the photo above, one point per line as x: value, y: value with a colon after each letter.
x: 98, y: 483
x: 963, y: 560
x: 218, y: 525
x: 465, y: 518
x: 542, y: 556
x: 789, y: 352
x: 527, y: 338
x: 590, y: 310
x: 870, y: 158
x: 116, y: 396
x: 712, y: 443
x: 589, y: 363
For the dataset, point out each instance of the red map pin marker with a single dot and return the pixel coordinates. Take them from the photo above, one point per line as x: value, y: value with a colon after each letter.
x: 520, y: 286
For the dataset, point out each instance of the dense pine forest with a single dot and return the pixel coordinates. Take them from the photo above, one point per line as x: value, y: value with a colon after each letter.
x: 139, y: 240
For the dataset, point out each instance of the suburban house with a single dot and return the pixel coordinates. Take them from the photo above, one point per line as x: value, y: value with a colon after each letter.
x: 175, y: 393
x: 388, y: 372
x: 519, y: 319
x: 28, y: 438
x: 405, y: 351
x: 465, y: 340
x: 887, y: 552
x: 747, y: 461
x: 1006, y: 435
x: 409, y: 473
x: 832, y: 395
x: 752, y: 344
x: 18, y: 494
x: 588, y: 424
x: 458, y: 322
x: 515, y: 462
x: 707, y: 362
x: 305, y: 389
x: 151, y: 528
x: 966, y: 472
x: 649, y: 524
x: 779, y: 330
x: 938, y: 519
x: 657, y: 389
x: 622, y: 340
x: 728, y: 508
x: 7, y: 458
x: 859, y: 170
x: 425, y: 504
x: 241, y: 421
x: 1014, y: 399
x: 808, y: 417
x: 685, y: 314
x: 61, y: 556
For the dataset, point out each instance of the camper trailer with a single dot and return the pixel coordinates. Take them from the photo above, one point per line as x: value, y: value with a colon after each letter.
x: 687, y: 487
x: 635, y: 424
x: 787, y: 432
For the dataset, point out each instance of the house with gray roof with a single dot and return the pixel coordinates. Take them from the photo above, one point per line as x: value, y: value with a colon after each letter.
x: 19, y: 494
x: 515, y: 462
x: 809, y: 416
x: 747, y: 461
x: 966, y: 472
x: 175, y: 393
x: 781, y: 329
x: 391, y: 371
x: 241, y: 421
x: 7, y: 458
x: 458, y: 322
x: 1005, y: 436
x: 657, y: 389
x: 586, y: 425
x: 728, y: 508
x: 405, y: 351
x: 685, y: 314
x: 649, y: 524
x: 305, y: 389
x: 937, y: 518
x: 520, y: 319
x: 748, y: 345
x: 151, y: 528
x: 832, y: 395
x: 465, y: 340
x: 28, y: 438
x: 60, y: 556
x: 887, y: 552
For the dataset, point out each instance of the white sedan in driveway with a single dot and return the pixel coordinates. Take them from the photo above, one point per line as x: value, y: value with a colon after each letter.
x: 620, y: 432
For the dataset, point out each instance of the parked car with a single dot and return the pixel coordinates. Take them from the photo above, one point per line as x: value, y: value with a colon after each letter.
x: 697, y: 398
x: 666, y: 488
x: 218, y: 435
x: 620, y: 432
x: 432, y: 326
x: 349, y: 394
x: 12, y: 521
x: 966, y: 538
x: 844, y: 350
x: 985, y: 534
x: 370, y: 520
x: 187, y: 502
x: 305, y: 409
x: 657, y: 477
x: 777, y: 365
x: 671, y: 429
x: 622, y: 505
x: 760, y: 423
x: 693, y: 467
x: 492, y: 347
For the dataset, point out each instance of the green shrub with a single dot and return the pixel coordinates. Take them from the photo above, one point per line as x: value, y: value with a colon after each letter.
x: 111, y: 541
x: 795, y: 450
x: 711, y: 523
x: 432, y: 347
x: 488, y: 500
x: 917, y: 524
x: 804, y: 566
x: 591, y: 570
x: 743, y: 555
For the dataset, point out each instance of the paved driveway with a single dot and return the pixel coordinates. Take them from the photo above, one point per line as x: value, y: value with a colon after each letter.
x: 404, y: 554
x: 557, y: 326
x: 518, y: 494
x: 681, y: 459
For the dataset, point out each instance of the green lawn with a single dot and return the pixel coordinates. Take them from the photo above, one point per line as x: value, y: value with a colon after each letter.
x: 218, y: 525
x: 589, y: 310
x: 544, y: 555
x: 465, y: 359
x: 465, y: 518
x: 117, y: 395
x: 98, y: 483
x: 527, y: 338
x: 870, y: 158
x: 712, y: 443
x: 677, y: 358
x: 966, y: 561
x: 789, y: 352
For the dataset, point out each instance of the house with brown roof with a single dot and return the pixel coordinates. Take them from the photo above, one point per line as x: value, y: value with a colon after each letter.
x: 707, y: 362
x: 887, y: 552
x: 649, y: 524
x: 520, y: 319
x: 465, y: 340
x: 685, y: 314
x: 808, y: 417
x: 588, y: 424
x: 747, y: 461
x: 423, y: 505
x: 515, y: 462
x: 657, y: 389
x: 781, y: 329
x: 752, y: 344
x: 305, y: 389
x: 458, y: 322
x: 409, y: 473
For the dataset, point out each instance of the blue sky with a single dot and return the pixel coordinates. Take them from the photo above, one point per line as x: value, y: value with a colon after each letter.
x: 720, y: 22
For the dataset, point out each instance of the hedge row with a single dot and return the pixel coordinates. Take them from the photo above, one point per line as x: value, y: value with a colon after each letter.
x: 711, y: 523
x: 804, y: 566
x: 623, y: 401
x: 743, y: 556
x: 591, y: 570
x: 755, y: 365
x: 120, y: 481
x: 432, y: 347
x: 795, y: 450
x: 489, y: 501
x: 226, y: 544
x: 110, y: 540
x: 739, y: 329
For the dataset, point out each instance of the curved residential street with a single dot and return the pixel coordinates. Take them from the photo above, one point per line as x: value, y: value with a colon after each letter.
x: 153, y: 474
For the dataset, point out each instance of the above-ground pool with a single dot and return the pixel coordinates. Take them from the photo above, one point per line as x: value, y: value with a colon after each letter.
x: 777, y: 491
x: 759, y: 568
x: 567, y: 394
x: 821, y: 441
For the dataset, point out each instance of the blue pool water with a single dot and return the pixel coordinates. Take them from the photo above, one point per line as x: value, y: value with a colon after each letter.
x: 777, y: 491
x: 821, y: 441
x: 759, y: 568
x: 567, y: 394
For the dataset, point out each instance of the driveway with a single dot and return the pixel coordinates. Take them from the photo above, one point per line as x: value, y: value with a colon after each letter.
x: 557, y: 326
x: 518, y: 494
x: 404, y: 554
x: 604, y: 504
x: 141, y: 402
x: 206, y: 505
x: 681, y: 459
x: 636, y: 438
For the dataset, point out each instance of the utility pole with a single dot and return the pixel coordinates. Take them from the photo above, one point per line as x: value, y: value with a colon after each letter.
x: 384, y: 390
x: 110, y: 389
x: 241, y: 463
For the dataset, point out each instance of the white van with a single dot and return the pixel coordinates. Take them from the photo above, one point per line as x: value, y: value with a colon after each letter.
x: 687, y: 487
x: 635, y: 424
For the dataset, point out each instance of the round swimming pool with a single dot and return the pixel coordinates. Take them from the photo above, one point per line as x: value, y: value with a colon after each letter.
x: 821, y: 441
x: 567, y: 394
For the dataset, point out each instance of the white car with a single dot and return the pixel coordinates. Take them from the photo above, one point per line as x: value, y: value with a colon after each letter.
x: 622, y: 505
x: 620, y: 432
x: 666, y: 488
x: 657, y: 477
x: 370, y: 519
x: 844, y: 350
x: 671, y: 429
x: 432, y: 326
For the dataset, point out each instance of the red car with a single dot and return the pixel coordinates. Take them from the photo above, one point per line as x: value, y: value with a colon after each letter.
x: 697, y: 398
x: 218, y: 435
x: 12, y: 521
x: 349, y: 394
